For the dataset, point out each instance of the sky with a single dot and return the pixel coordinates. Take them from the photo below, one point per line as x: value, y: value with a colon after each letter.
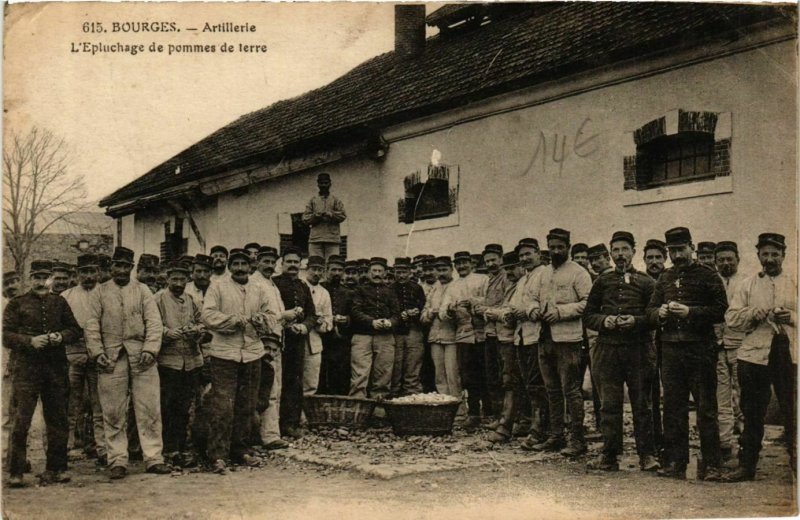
x: 122, y: 115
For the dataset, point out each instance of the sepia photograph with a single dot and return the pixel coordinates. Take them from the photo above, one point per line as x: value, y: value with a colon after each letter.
x: 480, y: 260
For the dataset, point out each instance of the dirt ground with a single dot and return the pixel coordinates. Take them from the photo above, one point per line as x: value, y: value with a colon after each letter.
x: 286, y: 488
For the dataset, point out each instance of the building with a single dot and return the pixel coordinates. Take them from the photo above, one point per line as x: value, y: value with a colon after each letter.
x: 69, y: 236
x: 511, y: 120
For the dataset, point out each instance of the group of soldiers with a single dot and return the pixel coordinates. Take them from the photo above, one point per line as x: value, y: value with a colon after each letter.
x: 214, y: 354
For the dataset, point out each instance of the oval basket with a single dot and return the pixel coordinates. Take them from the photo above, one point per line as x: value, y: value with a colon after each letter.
x: 421, y: 418
x: 337, y: 410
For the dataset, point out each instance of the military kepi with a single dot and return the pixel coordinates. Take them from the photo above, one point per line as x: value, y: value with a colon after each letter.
x: 510, y: 259
x: 41, y: 267
x: 726, y: 245
x: 678, y: 237
x: 623, y: 236
x: 122, y: 255
x: 87, y: 260
x: 771, y: 239
x: 558, y: 234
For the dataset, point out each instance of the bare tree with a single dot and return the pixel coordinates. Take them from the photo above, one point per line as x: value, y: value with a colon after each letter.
x: 38, y: 190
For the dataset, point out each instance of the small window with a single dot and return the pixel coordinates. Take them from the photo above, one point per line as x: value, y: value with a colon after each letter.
x: 673, y: 159
x: 431, y: 199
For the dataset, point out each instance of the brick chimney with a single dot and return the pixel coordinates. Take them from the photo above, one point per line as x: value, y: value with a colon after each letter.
x: 409, y: 30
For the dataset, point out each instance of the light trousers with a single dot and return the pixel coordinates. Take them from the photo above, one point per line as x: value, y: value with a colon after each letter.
x: 728, y: 395
x: 145, y: 390
x: 270, y: 429
x: 371, y: 365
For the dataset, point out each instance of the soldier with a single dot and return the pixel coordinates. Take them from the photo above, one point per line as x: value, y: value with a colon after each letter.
x: 324, y: 213
x: 705, y: 254
x: 350, y: 277
x: 375, y: 316
x: 501, y: 317
x: 731, y: 419
x: 363, y: 271
x: 427, y: 373
x: 623, y: 354
x: 179, y: 362
x: 495, y: 293
x: 219, y: 262
x: 442, y: 333
x: 147, y: 271
x: 296, y: 297
x: 59, y: 281
x: 580, y: 255
x: 765, y: 306
x: 312, y: 359
x: 123, y: 337
x: 655, y: 256
x: 271, y: 368
x: 688, y: 300
x: 409, y: 348
x: 460, y: 301
x: 82, y: 372
x: 11, y: 288
x: 201, y: 279
x: 533, y: 401
x: 559, y: 297
x: 599, y: 260
x: 335, y: 373
x: 232, y: 310
x: 36, y: 326
x: 416, y: 268
x: 103, y: 268
x: 252, y: 250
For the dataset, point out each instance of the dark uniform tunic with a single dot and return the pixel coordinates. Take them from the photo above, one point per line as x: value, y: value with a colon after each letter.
x: 409, y: 341
x: 334, y: 378
x: 295, y: 293
x: 39, y: 373
x: 622, y: 356
x: 689, y: 357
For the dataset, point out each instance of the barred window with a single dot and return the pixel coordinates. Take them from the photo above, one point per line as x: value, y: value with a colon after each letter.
x: 673, y: 159
x: 431, y: 199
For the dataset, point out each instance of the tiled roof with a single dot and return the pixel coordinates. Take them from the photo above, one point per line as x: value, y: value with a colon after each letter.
x: 501, y: 56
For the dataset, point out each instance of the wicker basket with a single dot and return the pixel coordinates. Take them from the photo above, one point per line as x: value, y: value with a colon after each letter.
x: 336, y: 410
x: 421, y: 418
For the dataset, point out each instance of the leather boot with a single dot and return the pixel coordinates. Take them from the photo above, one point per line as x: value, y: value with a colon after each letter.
x: 500, y: 436
x: 576, y: 446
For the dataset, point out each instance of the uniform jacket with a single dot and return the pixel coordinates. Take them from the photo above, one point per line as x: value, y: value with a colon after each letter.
x: 30, y: 315
x: 617, y: 293
x: 728, y: 336
x: 294, y: 293
x: 324, y: 229
x: 226, y: 301
x: 341, y: 302
x: 495, y: 292
x: 506, y: 327
x: 700, y: 288
x: 409, y: 296
x: 123, y: 317
x: 441, y: 330
x: 470, y: 326
x: 322, y: 308
x: 80, y: 302
x: 177, y: 312
x: 374, y: 301
x: 527, y: 331
x: 567, y: 288
x: 765, y: 292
